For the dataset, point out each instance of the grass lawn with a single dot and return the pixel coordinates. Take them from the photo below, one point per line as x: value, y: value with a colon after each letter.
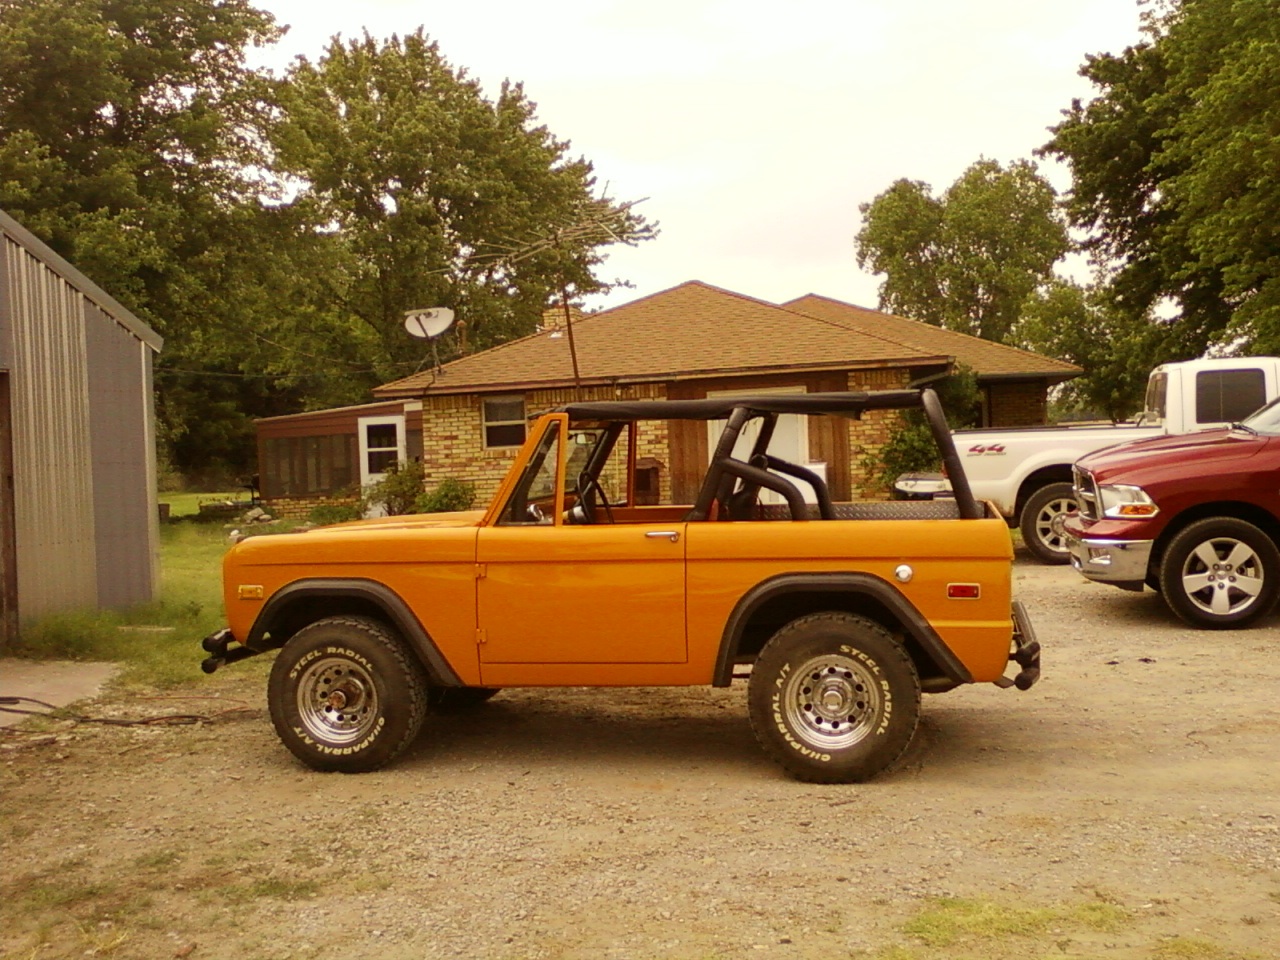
x: 158, y: 642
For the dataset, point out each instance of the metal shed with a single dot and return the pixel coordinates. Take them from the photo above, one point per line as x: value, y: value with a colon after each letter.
x: 78, y: 518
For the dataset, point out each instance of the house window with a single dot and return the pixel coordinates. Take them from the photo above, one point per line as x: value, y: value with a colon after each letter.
x: 308, y: 466
x: 382, y: 444
x: 504, y: 421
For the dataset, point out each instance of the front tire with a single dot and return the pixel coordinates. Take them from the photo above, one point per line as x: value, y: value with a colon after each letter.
x: 1221, y: 573
x: 1041, y: 522
x: 347, y: 695
x: 833, y: 698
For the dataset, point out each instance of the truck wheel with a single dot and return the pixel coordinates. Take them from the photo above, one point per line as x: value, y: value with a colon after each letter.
x: 1221, y: 573
x: 1041, y: 522
x: 455, y: 699
x: 833, y: 699
x: 345, y: 694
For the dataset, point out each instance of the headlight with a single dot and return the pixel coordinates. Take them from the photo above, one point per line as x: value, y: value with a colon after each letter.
x: 1125, y: 502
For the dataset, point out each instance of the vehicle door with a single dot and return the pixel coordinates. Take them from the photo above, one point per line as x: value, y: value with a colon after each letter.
x: 554, y: 591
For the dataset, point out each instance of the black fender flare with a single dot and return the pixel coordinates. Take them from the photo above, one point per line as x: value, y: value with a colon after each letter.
x: 916, y: 626
x: 380, y: 595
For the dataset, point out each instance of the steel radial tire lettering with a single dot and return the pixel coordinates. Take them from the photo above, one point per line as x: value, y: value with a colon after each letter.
x: 1221, y: 573
x: 347, y: 695
x: 833, y: 698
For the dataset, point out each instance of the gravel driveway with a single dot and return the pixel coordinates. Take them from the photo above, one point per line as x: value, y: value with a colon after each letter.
x: 1125, y: 807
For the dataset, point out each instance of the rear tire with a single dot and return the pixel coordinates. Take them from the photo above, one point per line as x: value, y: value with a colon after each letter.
x: 1041, y: 522
x: 347, y: 695
x: 833, y: 698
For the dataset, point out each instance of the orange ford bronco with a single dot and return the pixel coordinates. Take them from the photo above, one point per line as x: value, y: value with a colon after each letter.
x: 838, y: 615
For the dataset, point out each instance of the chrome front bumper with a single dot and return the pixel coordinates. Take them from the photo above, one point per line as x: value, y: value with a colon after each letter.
x: 1122, y: 562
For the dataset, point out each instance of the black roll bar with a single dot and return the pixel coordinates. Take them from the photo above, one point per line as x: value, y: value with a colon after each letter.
x: 969, y: 507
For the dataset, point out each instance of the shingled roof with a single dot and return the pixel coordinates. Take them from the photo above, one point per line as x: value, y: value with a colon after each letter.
x: 989, y: 360
x: 694, y: 330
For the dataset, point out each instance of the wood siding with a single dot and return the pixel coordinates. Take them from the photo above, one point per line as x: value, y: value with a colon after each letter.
x: 828, y: 437
x: 317, y: 454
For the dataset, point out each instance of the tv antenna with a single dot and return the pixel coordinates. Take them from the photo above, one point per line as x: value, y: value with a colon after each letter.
x: 427, y: 324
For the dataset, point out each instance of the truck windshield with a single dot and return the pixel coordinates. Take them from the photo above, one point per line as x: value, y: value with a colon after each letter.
x: 1266, y: 420
x: 1153, y: 412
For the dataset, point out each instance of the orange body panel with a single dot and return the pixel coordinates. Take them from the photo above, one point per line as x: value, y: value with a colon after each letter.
x: 430, y: 562
x: 725, y: 560
x: 582, y: 594
x: 532, y: 600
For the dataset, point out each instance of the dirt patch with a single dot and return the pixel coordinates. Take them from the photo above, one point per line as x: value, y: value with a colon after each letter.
x: 1126, y: 807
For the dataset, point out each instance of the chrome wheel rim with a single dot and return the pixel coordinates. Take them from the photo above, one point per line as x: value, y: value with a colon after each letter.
x: 337, y: 701
x: 1222, y: 576
x: 831, y: 702
x: 1048, y: 524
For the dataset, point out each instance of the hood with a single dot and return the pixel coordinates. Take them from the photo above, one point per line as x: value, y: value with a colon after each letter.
x: 460, y: 518
x: 333, y: 543
x: 1159, y: 453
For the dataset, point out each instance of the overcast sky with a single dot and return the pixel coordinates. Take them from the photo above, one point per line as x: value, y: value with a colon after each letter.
x: 756, y: 130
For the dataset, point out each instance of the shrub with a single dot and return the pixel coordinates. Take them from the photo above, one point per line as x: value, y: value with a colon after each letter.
x: 449, y: 496
x: 398, y: 491
x: 912, y: 448
x: 327, y: 513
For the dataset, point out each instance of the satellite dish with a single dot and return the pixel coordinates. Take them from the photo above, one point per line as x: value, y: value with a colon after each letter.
x: 429, y: 323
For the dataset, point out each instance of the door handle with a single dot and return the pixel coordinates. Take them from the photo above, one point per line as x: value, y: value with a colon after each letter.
x: 672, y: 535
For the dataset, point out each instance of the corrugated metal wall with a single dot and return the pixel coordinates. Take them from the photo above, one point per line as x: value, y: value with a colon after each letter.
x: 123, y: 471
x: 84, y: 493
x: 53, y: 477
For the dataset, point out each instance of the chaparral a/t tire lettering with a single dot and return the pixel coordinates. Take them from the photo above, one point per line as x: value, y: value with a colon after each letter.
x: 346, y: 695
x: 833, y: 698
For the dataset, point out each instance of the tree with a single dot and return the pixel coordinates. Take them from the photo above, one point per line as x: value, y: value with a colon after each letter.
x: 1176, y: 167
x: 968, y: 259
x: 130, y: 140
x: 429, y: 194
x: 274, y: 231
x: 1080, y: 325
x: 127, y: 137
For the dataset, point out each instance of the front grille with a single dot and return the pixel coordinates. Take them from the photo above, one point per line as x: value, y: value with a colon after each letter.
x: 1086, y: 493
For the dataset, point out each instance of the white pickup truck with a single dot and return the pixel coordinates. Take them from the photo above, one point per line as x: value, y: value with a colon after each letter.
x: 1026, y: 471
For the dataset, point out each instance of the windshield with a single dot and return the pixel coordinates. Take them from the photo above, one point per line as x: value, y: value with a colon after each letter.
x: 1267, y: 420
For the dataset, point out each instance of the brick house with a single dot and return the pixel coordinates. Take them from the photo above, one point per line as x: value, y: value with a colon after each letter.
x: 467, y: 419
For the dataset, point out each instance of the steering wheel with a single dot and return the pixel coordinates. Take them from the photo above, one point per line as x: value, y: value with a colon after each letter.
x: 588, y: 487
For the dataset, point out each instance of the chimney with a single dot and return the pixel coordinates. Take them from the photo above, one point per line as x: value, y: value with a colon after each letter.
x: 553, y: 317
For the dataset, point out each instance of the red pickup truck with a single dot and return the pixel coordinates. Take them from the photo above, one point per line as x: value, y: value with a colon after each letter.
x: 1195, y: 517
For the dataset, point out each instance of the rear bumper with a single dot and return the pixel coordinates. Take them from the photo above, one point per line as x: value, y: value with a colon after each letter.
x: 1025, y: 651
